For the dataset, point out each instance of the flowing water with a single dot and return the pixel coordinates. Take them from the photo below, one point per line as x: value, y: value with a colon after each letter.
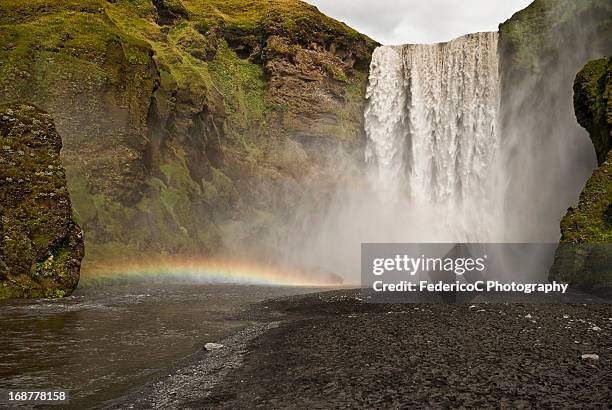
x: 101, y: 342
x: 431, y: 156
x: 431, y: 122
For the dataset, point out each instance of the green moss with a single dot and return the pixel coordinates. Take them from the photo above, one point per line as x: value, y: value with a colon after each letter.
x: 220, y: 193
x: 40, y: 244
x: 98, y: 65
x: 351, y: 112
x: 244, y: 85
x: 202, y: 27
x: 584, y: 258
x: 531, y: 36
x: 589, y: 221
x: 83, y: 35
x: 593, y: 103
x: 290, y: 15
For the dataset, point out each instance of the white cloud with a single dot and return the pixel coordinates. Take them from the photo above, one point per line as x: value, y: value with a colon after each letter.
x: 420, y: 21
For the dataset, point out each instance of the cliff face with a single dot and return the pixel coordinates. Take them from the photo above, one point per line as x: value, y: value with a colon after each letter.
x: 190, y: 126
x: 41, y: 245
x: 584, y: 258
x: 541, y: 49
x: 547, y: 31
x: 593, y: 104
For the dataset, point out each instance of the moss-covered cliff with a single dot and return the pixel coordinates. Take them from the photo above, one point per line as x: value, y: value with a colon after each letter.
x: 590, y: 221
x: 41, y: 245
x: 189, y: 126
x: 593, y: 104
x: 541, y: 49
x: 584, y: 258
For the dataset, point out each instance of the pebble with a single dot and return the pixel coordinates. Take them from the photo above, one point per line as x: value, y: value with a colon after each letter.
x: 213, y: 346
x: 590, y: 356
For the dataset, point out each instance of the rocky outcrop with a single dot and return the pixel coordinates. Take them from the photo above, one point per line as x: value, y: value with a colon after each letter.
x: 41, y: 245
x: 593, y: 104
x: 541, y: 49
x: 190, y: 127
x: 584, y: 258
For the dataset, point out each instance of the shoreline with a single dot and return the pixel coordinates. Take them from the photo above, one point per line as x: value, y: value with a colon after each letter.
x: 205, y: 369
x: 194, y: 376
x: 331, y: 350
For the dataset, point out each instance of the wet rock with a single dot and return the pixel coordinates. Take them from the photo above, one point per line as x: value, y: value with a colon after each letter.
x: 581, y: 259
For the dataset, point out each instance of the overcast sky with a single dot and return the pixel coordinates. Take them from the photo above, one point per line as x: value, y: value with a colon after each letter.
x: 420, y: 21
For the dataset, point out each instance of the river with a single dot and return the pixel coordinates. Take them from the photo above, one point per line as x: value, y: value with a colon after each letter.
x: 101, y: 342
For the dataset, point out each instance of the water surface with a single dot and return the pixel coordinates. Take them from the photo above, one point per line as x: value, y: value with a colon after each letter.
x: 101, y: 342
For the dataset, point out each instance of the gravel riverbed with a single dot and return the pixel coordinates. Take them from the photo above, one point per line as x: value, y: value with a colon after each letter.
x: 331, y: 350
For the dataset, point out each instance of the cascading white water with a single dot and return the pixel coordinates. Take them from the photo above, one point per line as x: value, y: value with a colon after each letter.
x: 436, y: 166
x: 431, y: 122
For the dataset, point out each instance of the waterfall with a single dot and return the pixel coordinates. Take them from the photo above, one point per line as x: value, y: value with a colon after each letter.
x: 431, y: 122
x: 432, y: 157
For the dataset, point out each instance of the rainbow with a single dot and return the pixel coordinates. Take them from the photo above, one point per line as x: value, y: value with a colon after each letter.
x: 201, y: 270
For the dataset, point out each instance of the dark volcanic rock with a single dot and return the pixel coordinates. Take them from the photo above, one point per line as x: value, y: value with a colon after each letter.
x: 41, y: 245
x: 334, y: 351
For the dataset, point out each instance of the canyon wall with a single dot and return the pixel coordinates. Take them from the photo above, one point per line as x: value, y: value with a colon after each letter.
x: 189, y: 126
x: 541, y: 49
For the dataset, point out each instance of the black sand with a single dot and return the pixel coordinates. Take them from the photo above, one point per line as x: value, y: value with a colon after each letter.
x: 333, y: 351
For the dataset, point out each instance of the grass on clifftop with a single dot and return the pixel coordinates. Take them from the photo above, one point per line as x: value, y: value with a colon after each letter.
x: 290, y: 16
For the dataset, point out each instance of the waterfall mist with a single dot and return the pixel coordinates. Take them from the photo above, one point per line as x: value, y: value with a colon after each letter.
x: 547, y: 156
x: 465, y: 144
x: 432, y: 141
